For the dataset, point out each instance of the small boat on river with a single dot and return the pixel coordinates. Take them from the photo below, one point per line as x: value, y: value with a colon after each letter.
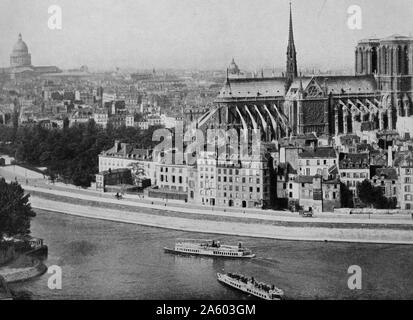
x: 211, y: 248
x: 250, y: 286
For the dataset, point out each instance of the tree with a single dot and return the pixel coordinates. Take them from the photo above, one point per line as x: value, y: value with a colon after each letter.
x: 346, y: 196
x: 15, y: 210
x: 374, y: 197
x: 367, y: 192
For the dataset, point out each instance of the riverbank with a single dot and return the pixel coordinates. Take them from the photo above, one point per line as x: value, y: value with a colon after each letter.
x: 337, y: 226
x: 216, y: 224
x: 25, y: 267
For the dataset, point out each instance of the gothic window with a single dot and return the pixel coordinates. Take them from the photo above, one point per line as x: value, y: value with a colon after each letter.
x: 400, y: 62
x: 312, y: 91
x: 406, y: 61
x: 374, y: 60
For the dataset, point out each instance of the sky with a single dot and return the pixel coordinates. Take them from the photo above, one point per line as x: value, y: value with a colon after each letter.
x: 195, y: 34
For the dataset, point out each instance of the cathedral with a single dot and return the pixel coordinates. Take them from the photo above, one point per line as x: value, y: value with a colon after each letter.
x: 374, y: 98
x: 21, y: 62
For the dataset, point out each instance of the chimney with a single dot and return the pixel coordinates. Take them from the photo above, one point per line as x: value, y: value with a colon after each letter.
x: 117, y: 145
x: 389, y: 156
x: 123, y: 148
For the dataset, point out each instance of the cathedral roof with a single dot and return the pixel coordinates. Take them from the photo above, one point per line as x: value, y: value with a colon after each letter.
x: 348, y: 84
x: 253, y: 87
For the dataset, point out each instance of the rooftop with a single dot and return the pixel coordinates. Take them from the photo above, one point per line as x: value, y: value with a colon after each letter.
x: 387, y: 173
x: 319, y: 153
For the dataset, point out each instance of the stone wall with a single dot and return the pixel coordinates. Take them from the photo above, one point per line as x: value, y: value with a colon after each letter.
x: 22, y: 274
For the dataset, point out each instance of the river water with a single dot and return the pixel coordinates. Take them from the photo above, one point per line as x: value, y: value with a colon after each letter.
x: 110, y: 260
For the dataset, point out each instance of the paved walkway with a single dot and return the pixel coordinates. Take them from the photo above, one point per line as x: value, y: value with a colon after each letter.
x: 60, y: 189
x: 230, y: 228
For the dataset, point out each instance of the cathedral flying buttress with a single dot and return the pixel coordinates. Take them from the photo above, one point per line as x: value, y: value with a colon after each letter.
x: 376, y: 98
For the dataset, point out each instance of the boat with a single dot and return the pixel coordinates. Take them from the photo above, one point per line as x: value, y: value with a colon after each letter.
x: 209, y: 248
x: 251, y: 286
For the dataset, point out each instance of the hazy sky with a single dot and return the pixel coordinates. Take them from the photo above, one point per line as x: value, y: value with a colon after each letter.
x: 195, y: 33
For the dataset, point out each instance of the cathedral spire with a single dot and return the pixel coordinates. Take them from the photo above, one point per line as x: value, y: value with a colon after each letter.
x: 291, y: 71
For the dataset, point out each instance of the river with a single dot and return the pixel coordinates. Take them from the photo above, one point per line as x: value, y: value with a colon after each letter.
x: 109, y: 260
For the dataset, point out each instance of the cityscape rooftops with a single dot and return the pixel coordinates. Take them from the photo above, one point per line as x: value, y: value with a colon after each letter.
x: 354, y: 160
x: 126, y: 150
x: 387, y: 173
x: 323, y: 152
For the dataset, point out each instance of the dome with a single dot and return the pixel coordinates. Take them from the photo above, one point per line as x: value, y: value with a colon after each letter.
x: 20, y: 46
x: 233, y: 68
x: 20, y: 56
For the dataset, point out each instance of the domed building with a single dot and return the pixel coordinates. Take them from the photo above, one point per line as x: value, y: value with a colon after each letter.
x: 21, y: 63
x: 20, y: 56
x: 233, y: 68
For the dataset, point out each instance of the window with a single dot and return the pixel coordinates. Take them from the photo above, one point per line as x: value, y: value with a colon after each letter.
x: 307, y: 162
x: 318, y: 162
x: 291, y: 185
x: 180, y: 179
x: 284, y: 186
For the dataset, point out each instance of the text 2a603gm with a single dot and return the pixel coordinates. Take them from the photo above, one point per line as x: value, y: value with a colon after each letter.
x: 229, y: 309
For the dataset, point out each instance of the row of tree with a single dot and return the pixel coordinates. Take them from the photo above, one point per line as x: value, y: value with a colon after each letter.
x: 70, y: 154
